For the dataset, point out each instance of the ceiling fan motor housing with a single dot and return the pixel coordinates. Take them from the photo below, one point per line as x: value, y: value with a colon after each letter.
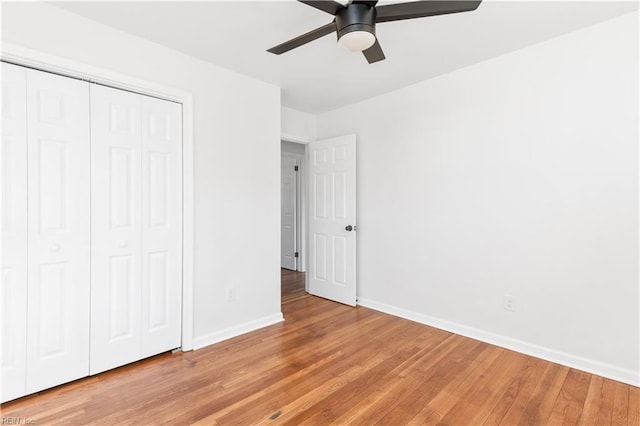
x: 356, y: 17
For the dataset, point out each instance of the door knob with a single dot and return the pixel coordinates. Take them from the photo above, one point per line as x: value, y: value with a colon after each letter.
x: 54, y: 247
x: 123, y: 244
x: 349, y: 228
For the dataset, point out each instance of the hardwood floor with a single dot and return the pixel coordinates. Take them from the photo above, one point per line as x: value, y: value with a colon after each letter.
x: 329, y: 363
x: 292, y: 282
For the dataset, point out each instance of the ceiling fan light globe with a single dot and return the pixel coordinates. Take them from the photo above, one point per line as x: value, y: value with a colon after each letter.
x: 357, y: 41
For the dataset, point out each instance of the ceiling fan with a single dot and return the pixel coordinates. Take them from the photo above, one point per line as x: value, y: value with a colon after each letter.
x: 355, y: 22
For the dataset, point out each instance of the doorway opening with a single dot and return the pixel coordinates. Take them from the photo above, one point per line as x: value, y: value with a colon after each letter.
x: 292, y: 285
x: 292, y: 205
x: 331, y: 215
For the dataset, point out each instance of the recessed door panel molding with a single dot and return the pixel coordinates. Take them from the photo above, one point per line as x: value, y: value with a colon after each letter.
x: 161, y: 125
x: 121, y: 173
x: 159, y: 292
x: 123, y: 116
x: 122, y: 287
x: 58, y: 230
x: 52, y: 185
x: 320, y: 195
x: 161, y: 225
x: 158, y: 186
x: 13, y: 270
x: 340, y: 153
x: 11, y: 348
x: 332, y: 219
x: 320, y: 258
x: 52, y: 285
x: 319, y: 156
x: 340, y: 191
x: 51, y: 107
x: 340, y: 244
x: 116, y: 227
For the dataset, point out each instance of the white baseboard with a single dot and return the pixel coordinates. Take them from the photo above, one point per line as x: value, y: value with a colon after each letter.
x: 584, y: 364
x: 228, y: 333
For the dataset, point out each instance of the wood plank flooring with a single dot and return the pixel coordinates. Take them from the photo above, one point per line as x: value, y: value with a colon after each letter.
x: 332, y: 364
x: 291, y: 283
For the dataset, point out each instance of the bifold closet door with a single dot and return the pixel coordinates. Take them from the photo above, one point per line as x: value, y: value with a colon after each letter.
x: 14, y: 231
x: 136, y: 178
x: 161, y: 226
x: 58, y: 230
x: 116, y: 231
x: 91, y: 229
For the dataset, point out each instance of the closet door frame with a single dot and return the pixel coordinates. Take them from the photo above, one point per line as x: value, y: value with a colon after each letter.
x: 13, y: 263
x: 46, y: 62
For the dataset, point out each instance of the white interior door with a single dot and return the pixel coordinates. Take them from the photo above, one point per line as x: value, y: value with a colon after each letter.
x: 58, y: 234
x: 116, y: 227
x: 161, y: 226
x: 14, y: 232
x: 288, y: 204
x: 136, y: 170
x: 332, y: 219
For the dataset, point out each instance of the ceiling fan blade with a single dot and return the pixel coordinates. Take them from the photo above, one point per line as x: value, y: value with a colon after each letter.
x: 331, y: 7
x: 374, y: 53
x: 368, y: 2
x: 421, y: 9
x: 303, y: 39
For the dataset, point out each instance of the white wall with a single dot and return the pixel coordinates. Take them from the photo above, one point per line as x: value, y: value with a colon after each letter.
x: 517, y: 175
x: 298, y: 126
x: 236, y: 177
x: 293, y: 148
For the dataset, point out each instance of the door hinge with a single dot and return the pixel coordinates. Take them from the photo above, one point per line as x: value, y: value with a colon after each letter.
x: 296, y: 254
x: 295, y: 168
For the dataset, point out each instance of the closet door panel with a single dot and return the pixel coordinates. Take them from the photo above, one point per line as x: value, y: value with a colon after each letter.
x: 14, y: 232
x: 161, y: 225
x: 116, y: 228
x: 58, y: 234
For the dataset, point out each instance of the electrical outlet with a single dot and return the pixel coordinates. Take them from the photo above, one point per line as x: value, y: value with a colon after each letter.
x: 231, y: 294
x: 509, y: 302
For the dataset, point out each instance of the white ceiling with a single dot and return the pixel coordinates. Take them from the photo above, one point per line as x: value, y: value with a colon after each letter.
x: 322, y: 75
